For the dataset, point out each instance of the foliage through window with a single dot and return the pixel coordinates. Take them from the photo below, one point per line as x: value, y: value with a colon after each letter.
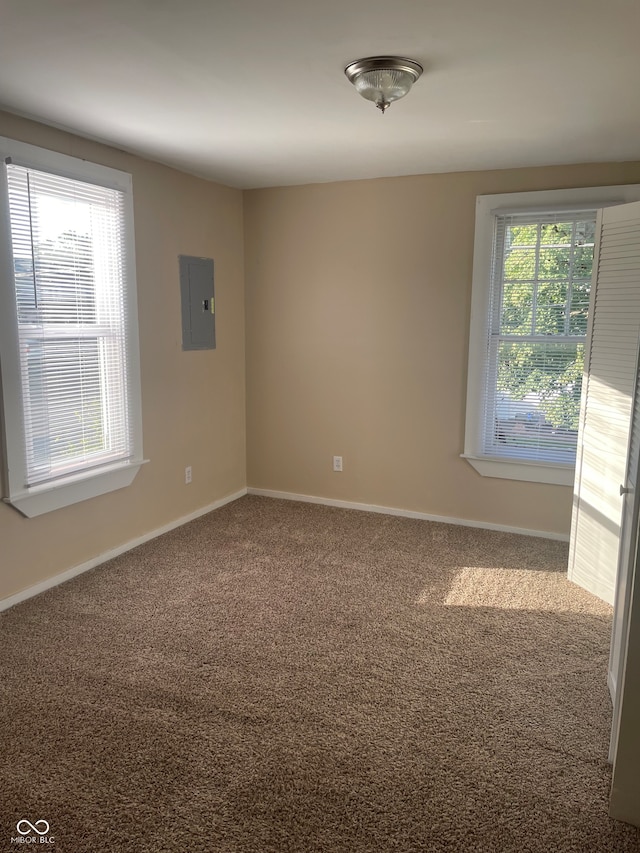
x: 541, y: 276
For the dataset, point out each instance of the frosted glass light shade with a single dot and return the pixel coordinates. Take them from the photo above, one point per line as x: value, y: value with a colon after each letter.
x: 383, y: 85
x: 383, y: 79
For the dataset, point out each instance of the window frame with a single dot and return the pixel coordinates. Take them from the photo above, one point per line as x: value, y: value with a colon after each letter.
x: 487, y: 208
x: 81, y: 485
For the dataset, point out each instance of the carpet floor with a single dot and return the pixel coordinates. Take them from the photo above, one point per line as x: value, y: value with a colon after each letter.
x: 279, y: 677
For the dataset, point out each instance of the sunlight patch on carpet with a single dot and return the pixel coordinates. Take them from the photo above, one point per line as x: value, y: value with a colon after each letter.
x: 515, y: 589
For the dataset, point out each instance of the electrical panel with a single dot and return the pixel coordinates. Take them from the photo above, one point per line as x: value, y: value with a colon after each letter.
x: 198, y: 303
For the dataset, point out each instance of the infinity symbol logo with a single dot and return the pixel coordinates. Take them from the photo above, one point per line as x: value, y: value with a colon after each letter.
x: 32, y: 827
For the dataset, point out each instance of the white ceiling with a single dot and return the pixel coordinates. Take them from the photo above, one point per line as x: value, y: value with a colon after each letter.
x: 252, y: 93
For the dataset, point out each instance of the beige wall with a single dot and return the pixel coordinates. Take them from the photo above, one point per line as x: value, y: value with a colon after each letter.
x: 358, y: 300
x: 193, y: 402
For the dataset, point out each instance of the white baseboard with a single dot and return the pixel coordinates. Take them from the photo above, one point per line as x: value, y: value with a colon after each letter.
x: 37, y: 588
x: 407, y: 513
x: 44, y: 585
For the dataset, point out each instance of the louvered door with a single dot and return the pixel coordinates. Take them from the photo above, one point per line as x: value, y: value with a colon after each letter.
x: 607, y: 401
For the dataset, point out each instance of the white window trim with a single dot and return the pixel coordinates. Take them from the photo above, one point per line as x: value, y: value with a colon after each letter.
x: 487, y: 206
x: 36, y: 500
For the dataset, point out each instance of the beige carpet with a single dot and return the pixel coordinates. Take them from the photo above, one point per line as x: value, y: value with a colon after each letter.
x: 288, y: 677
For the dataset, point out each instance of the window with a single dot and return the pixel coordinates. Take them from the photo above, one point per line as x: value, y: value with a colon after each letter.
x: 69, y: 352
x: 541, y: 277
x: 532, y: 275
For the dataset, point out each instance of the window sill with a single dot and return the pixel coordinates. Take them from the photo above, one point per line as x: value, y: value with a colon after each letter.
x: 558, y: 474
x: 80, y: 487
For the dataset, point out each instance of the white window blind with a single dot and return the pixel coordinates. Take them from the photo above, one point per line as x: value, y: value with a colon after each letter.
x: 68, y: 242
x: 540, y: 282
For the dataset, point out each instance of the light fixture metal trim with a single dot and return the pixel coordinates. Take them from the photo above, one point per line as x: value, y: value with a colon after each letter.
x: 383, y: 79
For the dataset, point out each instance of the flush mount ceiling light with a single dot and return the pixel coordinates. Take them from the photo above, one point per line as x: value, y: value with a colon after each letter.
x: 383, y: 79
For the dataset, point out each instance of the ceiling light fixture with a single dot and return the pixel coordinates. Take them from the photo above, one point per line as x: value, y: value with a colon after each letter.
x: 383, y: 79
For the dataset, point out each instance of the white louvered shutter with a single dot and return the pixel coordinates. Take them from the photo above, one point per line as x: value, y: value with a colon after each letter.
x: 609, y: 386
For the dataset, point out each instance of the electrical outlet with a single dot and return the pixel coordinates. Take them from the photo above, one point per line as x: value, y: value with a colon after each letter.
x: 187, y: 474
x: 337, y: 463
